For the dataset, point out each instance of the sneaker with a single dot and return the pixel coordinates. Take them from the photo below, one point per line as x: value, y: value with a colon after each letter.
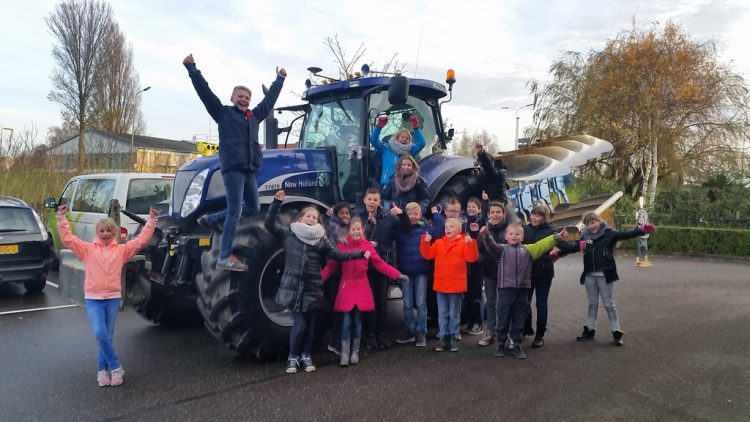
x: 333, y: 349
x: 587, y: 334
x: 307, y: 363
x: 487, y: 340
x: 499, y: 350
x: 454, y: 344
x: 103, y: 379
x: 518, y: 351
x: 474, y: 330
x: 458, y: 336
x: 292, y: 365
x: 617, y: 338
x: 510, y: 344
x: 117, y: 375
x: 231, y: 264
x: 405, y: 338
x: 203, y: 222
x: 421, y: 340
x: 440, y: 347
x: 537, y: 343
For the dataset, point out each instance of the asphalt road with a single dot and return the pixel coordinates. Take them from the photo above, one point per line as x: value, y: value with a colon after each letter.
x: 685, y: 359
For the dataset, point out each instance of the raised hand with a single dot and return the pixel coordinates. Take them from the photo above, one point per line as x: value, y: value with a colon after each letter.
x: 367, y: 254
x: 485, y: 197
x: 474, y: 227
x: 479, y: 146
x: 188, y: 59
x: 396, y: 211
x: 563, y: 234
x: 648, y: 228
x: 434, y: 210
x: 382, y: 120
x: 414, y: 121
x: 428, y: 237
x: 281, y: 72
x: 467, y: 239
x: 153, y: 213
x: 61, y: 210
x: 279, y: 196
x: 483, y: 231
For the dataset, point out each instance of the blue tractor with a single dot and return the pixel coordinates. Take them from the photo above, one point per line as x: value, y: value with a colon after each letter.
x: 332, y: 161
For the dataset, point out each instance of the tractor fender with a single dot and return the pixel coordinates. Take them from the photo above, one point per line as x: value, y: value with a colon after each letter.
x: 438, y: 169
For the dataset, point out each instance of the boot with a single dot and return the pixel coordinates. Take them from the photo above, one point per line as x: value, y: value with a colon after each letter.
x: 354, y: 357
x: 617, y: 338
x: 587, y: 334
x: 344, y: 360
x: 518, y: 351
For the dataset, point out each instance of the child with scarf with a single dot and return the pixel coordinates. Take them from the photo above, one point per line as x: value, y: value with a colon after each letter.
x: 398, y: 145
x: 301, y: 289
x: 597, y: 242
x: 354, y: 295
x: 406, y: 185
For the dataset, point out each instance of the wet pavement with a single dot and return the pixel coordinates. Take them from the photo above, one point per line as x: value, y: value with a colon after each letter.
x: 685, y: 358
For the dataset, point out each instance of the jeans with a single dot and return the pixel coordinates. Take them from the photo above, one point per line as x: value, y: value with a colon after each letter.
x: 512, y: 307
x: 490, y: 291
x: 302, y: 334
x: 449, y: 313
x: 102, y: 317
x: 474, y: 301
x: 351, y: 325
x: 414, y: 293
x: 239, y: 185
x: 597, y: 286
x: 375, y: 321
x: 540, y: 287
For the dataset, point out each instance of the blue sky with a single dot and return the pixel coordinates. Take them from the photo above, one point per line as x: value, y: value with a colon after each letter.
x: 494, y: 46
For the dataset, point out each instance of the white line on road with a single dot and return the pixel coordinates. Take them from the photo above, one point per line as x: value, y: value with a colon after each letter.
x: 36, y: 309
x: 53, y: 284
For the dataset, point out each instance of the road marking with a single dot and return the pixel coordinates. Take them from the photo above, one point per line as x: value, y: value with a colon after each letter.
x: 53, y: 284
x: 36, y: 309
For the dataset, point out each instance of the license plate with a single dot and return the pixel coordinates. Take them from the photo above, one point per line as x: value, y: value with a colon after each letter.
x: 204, y: 241
x: 8, y: 249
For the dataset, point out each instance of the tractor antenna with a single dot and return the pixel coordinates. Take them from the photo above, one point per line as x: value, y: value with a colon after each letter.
x: 419, y: 48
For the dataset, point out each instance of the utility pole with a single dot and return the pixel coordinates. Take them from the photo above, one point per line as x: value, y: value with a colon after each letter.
x: 515, y: 140
x: 132, y: 132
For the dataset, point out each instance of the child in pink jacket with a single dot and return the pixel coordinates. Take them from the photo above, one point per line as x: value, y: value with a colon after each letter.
x: 103, y: 260
x: 354, y: 295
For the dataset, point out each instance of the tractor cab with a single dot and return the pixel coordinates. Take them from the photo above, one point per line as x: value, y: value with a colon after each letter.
x: 342, y: 114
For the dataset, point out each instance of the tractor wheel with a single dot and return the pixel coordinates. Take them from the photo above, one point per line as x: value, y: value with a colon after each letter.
x: 239, y: 308
x: 35, y: 286
x: 462, y: 186
x: 156, y: 305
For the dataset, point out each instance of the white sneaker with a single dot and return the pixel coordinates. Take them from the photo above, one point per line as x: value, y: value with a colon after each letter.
x: 103, y: 379
x: 117, y: 375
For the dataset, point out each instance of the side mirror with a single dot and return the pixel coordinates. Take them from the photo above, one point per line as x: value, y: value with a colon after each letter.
x: 373, y: 113
x: 398, y: 92
x: 49, y: 202
x: 450, y: 133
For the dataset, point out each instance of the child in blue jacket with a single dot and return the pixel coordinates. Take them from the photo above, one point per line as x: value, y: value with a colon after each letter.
x: 397, y: 146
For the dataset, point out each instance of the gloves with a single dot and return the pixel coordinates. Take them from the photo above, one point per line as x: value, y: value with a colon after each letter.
x: 403, y: 278
x: 581, y: 245
x: 555, y: 256
x: 414, y: 121
x: 382, y: 120
x: 648, y: 228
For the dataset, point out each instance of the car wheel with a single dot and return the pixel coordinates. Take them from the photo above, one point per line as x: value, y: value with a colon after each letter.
x: 36, y: 285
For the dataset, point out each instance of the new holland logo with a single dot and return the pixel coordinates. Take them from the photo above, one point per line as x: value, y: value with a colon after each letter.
x: 324, y: 179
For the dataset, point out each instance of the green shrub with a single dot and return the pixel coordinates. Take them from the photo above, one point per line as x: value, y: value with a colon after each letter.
x: 696, y: 241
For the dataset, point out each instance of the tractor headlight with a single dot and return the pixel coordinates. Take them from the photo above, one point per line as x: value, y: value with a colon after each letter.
x: 193, y: 194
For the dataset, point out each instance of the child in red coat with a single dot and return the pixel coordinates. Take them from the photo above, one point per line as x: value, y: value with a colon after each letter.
x: 354, y: 295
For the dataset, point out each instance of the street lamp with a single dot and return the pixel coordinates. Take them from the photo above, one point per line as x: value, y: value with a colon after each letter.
x: 132, y: 131
x: 515, y: 141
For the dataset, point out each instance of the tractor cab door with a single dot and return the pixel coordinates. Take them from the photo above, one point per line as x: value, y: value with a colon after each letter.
x: 337, y: 124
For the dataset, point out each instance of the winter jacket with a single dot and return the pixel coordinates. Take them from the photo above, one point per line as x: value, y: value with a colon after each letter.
x: 335, y: 230
x: 103, y: 263
x: 599, y: 253
x: 354, y: 288
x: 389, y: 157
x: 382, y: 232
x: 408, y: 239
x: 486, y: 260
x: 301, y: 288
x: 478, y: 219
x: 238, y: 135
x: 493, y: 181
x: 542, y: 268
x: 418, y: 194
x: 514, y: 261
x: 451, y: 256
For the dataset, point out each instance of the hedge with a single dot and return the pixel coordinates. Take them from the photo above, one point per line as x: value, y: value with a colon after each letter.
x: 695, y: 241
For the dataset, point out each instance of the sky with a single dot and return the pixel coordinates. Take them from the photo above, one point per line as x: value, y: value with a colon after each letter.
x: 495, y: 47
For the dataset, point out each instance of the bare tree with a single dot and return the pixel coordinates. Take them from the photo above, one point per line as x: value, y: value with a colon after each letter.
x: 83, y: 30
x: 347, y: 65
x: 465, y: 145
x: 116, y: 105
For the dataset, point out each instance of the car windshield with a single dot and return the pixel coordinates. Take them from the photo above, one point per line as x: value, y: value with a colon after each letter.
x: 17, y: 220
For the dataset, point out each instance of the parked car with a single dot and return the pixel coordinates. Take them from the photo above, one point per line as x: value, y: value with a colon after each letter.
x: 89, y: 198
x: 25, y: 249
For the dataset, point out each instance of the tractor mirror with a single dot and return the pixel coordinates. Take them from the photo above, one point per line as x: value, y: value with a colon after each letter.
x: 398, y: 92
x: 451, y: 131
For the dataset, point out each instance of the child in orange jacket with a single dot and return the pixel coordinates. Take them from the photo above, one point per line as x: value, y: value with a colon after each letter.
x: 451, y: 253
x: 103, y: 260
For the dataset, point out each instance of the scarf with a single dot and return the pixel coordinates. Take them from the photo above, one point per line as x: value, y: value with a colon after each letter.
x: 405, y: 182
x: 398, y: 148
x: 593, y: 236
x: 308, y: 234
